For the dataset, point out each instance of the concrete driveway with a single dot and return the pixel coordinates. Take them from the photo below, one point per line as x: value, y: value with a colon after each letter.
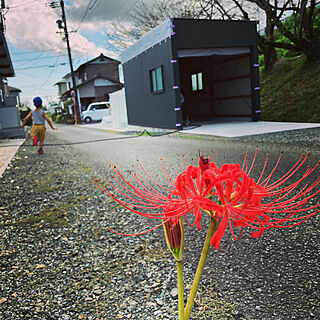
x: 246, y: 128
x: 227, y: 129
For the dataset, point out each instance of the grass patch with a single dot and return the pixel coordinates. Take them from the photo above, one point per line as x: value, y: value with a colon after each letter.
x: 54, y: 217
x: 209, y: 306
x: 86, y: 169
x: 185, y: 136
x: 291, y: 91
x: 153, y: 254
x: 45, y: 185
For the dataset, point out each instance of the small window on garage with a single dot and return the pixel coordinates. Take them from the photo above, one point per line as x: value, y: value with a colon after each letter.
x: 156, y: 80
x: 196, y: 81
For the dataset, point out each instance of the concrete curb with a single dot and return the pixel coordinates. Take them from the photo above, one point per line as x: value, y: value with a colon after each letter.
x: 7, y: 153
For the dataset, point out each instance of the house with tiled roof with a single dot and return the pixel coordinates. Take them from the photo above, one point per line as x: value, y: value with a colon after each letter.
x: 95, y: 80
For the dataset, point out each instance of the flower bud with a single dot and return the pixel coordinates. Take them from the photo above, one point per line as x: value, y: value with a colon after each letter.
x: 174, y: 232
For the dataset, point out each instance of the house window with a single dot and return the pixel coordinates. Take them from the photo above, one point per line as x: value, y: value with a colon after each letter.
x: 156, y: 80
x: 196, y: 81
x: 85, y: 76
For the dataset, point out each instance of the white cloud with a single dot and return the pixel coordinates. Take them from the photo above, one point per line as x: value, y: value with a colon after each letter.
x: 100, y: 10
x: 33, y: 27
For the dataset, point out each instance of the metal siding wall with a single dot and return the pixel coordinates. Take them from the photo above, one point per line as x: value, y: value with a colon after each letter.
x: 213, y: 33
x: 143, y: 107
x: 190, y: 33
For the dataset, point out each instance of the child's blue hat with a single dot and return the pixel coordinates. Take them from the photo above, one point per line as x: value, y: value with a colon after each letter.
x: 37, y: 101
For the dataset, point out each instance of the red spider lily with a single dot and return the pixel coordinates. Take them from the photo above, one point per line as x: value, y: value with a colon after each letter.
x: 145, y: 196
x: 174, y: 232
x: 240, y: 201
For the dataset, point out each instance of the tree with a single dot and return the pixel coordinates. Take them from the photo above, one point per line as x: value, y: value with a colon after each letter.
x: 145, y: 16
x: 303, y: 35
x: 289, y: 24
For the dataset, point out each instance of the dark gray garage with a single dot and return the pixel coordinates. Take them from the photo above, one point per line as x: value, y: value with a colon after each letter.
x: 188, y: 70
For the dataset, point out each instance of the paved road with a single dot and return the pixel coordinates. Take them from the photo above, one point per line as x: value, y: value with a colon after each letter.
x: 123, y: 150
x: 272, y: 277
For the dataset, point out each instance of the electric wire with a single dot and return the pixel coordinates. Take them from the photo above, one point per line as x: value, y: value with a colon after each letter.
x: 91, y: 7
x: 43, y: 66
x: 97, y: 140
x: 50, y: 73
x: 85, y: 12
x: 30, y: 59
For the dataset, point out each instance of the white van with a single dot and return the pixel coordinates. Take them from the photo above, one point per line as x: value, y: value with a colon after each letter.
x: 96, y: 111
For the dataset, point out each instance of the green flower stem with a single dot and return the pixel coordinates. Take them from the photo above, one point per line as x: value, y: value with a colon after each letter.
x: 180, y: 290
x: 197, y: 277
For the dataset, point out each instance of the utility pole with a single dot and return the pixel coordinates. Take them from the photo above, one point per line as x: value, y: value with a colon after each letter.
x: 3, y: 6
x: 74, y: 84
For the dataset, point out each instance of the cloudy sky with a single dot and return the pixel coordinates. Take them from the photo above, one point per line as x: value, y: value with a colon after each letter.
x: 37, y: 51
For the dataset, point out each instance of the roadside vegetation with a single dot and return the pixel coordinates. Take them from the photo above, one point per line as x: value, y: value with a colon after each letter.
x: 291, y: 91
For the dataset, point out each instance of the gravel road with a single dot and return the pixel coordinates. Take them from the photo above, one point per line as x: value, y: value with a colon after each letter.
x: 57, y: 261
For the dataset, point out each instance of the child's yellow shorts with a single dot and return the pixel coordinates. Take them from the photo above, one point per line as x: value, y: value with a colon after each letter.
x: 38, y: 130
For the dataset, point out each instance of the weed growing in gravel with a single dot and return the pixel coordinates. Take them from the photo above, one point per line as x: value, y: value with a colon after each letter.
x: 209, y: 306
x: 45, y: 186
x: 54, y: 217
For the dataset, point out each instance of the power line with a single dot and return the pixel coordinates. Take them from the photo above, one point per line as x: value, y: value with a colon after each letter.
x: 45, y: 82
x: 85, y: 12
x: 43, y: 58
x: 43, y: 66
x: 91, y: 7
x: 31, y: 52
x: 27, y: 63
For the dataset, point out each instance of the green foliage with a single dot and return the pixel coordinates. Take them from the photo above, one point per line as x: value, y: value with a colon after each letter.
x: 291, y: 91
x: 58, y: 118
x: 67, y: 103
x: 24, y: 111
x: 261, y: 63
x: 292, y: 24
x: 49, y: 115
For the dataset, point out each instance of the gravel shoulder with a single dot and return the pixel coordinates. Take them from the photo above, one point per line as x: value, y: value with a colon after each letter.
x: 57, y: 261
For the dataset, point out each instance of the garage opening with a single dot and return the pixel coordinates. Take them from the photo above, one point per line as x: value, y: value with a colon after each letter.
x: 215, y: 84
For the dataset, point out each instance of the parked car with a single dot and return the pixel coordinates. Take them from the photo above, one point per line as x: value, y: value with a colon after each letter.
x: 96, y: 111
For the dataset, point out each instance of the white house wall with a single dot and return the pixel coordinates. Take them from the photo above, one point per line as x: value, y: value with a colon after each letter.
x: 103, y: 83
x: 118, y: 109
x: 69, y: 81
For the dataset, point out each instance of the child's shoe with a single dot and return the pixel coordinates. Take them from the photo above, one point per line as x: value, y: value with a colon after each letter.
x: 35, y: 140
x: 40, y: 151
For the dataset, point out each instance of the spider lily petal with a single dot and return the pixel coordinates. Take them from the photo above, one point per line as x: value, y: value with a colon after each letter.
x: 228, y: 194
x: 244, y: 202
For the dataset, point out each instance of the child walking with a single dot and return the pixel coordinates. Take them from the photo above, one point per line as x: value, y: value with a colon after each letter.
x: 38, y: 130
